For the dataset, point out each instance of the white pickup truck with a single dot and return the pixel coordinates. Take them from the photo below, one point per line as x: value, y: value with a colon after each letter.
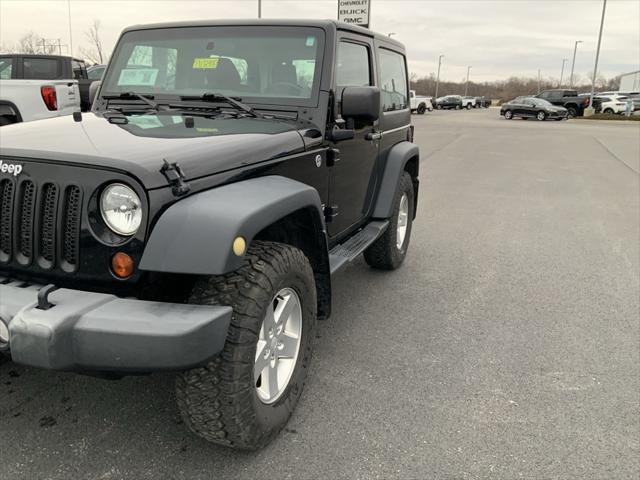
x: 28, y: 92
x: 420, y: 104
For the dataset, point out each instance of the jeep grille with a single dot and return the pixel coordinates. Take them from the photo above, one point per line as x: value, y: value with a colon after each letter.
x: 40, y: 224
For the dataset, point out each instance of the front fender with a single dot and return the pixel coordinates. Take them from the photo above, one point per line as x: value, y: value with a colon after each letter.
x: 195, y: 235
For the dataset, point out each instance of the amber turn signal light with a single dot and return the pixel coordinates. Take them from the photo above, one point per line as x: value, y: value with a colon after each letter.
x: 122, y: 265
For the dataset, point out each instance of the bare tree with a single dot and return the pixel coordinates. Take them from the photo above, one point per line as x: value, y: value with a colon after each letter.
x: 31, y: 43
x: 94, y: 52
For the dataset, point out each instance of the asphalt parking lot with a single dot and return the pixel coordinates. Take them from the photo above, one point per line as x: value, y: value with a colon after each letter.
x: 506, y: 347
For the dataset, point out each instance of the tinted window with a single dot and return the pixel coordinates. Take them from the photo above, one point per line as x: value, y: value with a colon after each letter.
x: 40, y: 68
x: 353, y: 65
x: 6, y: 67
x: 393, y: 80
x: 555, y: 95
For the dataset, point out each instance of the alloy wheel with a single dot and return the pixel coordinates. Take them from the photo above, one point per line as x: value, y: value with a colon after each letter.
x: 403, y: 221
x: 278, y: 345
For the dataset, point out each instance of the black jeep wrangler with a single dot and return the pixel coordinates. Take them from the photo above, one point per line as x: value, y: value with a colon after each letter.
x: 192, y: 221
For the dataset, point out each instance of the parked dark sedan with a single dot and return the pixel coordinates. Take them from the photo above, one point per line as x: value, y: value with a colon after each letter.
x: 531, y: 107
x: 449, y: 102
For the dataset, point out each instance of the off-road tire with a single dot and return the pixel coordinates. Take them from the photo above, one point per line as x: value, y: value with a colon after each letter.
x: 383, y: 254
x: 421, y: 109
x: 219, y: 402
x: 572, y: 112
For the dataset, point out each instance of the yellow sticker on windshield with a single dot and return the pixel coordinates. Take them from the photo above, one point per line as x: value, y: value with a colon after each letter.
x: 205, y: 63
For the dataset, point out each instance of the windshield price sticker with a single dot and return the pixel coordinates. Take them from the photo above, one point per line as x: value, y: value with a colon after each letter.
x: 143, y: 77
x: 205, y: 63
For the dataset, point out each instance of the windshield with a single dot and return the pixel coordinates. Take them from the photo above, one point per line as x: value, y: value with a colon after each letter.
x: 257, y: 64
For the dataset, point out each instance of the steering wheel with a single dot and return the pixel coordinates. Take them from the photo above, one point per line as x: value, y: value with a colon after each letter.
x: 274, y: 87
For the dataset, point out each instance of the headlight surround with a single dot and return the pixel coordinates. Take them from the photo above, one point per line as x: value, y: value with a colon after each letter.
x: 121, y: 209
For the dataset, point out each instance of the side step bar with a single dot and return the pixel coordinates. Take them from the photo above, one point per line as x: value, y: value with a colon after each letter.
x: 346, y: 252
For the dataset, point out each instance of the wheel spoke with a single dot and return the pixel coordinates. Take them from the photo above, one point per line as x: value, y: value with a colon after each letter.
x: 261, y: 361
x: 272, y: 380
x: 288, y: 346
x: 269, y: 322
x: 284, y: 309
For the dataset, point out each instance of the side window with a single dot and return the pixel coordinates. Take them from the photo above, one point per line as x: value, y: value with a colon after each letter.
x: 353, y: 68
x: 40, y: 68
x: 544, y: 95
x: 393, y: 81
x: 6, y: 67
x: 555, y: 95
x: 95, y: 73
x: 79, y: 70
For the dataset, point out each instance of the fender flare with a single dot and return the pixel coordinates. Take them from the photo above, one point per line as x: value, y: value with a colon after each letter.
x: 397, y: 159
x: 7, y: 107
x: 195, y: 235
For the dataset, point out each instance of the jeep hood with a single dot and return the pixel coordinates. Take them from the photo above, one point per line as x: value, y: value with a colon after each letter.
x: 139, y: 147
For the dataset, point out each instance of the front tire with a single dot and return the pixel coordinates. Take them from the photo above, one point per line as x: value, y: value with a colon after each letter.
x: 390, y: 249
x: 508, y: 114
x: 541, y: 116
x: 608, y: 111
x: 468, y: 106
x: 245, y: 396
x: 573, y: 112
x: 421, y: 109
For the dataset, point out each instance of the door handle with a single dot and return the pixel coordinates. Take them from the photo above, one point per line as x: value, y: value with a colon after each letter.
x: 373, y: 136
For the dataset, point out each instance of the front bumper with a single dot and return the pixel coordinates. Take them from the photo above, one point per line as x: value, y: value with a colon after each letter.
x: 86, y: 331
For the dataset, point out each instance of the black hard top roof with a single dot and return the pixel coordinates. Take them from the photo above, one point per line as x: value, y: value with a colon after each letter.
x: 325, y: 24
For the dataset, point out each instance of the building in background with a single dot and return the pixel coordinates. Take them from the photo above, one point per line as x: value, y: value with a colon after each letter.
x: 630, y: 82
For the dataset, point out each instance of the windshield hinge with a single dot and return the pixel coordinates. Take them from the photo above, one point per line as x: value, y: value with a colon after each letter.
x: 174, y: 175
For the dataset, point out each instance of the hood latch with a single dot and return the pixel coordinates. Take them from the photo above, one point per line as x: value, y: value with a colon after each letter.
x: 175, y: 176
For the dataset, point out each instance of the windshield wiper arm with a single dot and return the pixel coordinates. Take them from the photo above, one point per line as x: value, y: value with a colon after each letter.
x: 132, y: 95
x: 215, y: 97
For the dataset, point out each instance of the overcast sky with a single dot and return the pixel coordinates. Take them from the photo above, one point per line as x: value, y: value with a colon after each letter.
x: 499, y: 38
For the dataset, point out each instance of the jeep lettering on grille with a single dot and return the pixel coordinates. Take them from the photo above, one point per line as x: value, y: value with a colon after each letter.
x: 12, y: 168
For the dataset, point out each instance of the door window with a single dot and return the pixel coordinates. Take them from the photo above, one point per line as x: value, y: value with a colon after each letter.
x: 393, y: 81
x: 353, y: 68
x: 40, y: 68
x: 95, y: 73
x: 6, y: 67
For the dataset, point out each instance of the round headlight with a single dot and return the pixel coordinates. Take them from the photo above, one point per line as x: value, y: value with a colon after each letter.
x: 121, y: 209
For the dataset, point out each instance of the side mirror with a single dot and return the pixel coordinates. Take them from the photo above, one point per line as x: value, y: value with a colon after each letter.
x: 93, y: 90
x: 361, y: 103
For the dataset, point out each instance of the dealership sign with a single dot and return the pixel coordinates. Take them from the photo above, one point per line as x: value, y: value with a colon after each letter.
x: 355, y: 12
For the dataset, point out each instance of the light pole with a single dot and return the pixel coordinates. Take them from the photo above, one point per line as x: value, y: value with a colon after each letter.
x: 466, y: 86
x: 438, y: 76
x: 562, y: 71
x: 595, y: 68
x: 538, y: 81
x: 259, y: 8
x: 70, y: 35
x: 573, y: 64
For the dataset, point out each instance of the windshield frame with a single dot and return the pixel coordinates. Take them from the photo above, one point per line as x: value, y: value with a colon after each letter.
x: 164, y: 33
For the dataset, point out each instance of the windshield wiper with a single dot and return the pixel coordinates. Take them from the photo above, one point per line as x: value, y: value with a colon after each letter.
x: 215, y: 97
x: 131, y: 96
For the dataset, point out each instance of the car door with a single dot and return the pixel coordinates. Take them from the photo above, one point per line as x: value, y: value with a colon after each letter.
x: 351, y: 174
x: 527, y: 108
